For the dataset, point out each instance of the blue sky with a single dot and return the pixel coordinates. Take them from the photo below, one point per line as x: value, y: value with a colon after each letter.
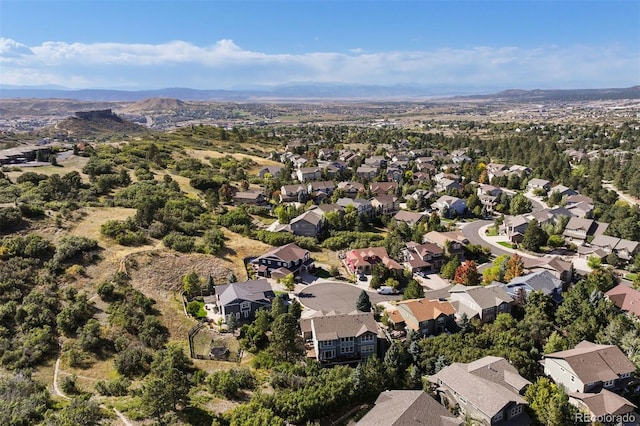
x: 146, y: 44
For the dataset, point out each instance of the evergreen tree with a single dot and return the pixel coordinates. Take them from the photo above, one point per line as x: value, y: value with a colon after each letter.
x: 363, y: 304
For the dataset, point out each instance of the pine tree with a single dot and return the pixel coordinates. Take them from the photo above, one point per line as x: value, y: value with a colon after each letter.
x: 363, y: 304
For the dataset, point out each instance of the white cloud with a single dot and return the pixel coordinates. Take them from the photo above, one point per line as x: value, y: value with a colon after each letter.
x: 225, y: 64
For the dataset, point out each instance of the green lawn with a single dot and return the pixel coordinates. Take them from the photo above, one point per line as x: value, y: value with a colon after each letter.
x: 492, y: 232
x: 631, y: 276
x: 505, y: 244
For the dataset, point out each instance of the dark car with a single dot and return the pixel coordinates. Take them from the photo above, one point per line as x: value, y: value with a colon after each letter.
x: 362, y: 277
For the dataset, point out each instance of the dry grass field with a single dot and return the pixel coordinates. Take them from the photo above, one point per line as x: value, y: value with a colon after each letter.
x: 71, y: 164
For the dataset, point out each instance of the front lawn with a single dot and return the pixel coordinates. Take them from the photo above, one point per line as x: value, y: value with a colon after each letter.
x: 492, y: 231
x: 505, y: 244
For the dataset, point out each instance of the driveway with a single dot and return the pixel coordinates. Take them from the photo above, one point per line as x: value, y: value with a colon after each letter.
x: 337, y: 296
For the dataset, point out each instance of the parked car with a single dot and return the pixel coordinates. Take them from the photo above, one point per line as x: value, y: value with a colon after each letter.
x: 362, y: 277
x: 387, y: 290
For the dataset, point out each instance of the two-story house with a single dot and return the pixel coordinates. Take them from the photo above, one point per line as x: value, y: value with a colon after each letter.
x: 308, y: 224
x: 385, y: 204
x: 449, y: 206
x: 427, y: 317
x: 270, y: 171
x: 295, y: 192
x: 452, y: 242
x: 321, y: 190
x: 624, y: 249
x: 341, y: 338
x: 361, y: 205
x: 366, y: 172
x: 578, y: 229
x: 482, y: 302
x: 249, y: 197
x: 543, y: 281
x: 305, y: 174
x: 241, y: 299
x: 489, y: 389
x: 382, y: 188
x: 423, y: 257
x: 589, y: 367
x: 351, y: 189
x: 538, y: 184
x: 282, y: 261
x: 626, y: 298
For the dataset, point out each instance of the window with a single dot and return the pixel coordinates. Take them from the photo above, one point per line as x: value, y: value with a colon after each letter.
x: 246, y: 314
x: 326, y: 343
x: 608, y: 383
x: 367, y: 337
x: 625, y: 375
x: 497, y: 417
x: 366, y: 348
x: 328, y: 354
x: 245, y: 306
x: 573, y: 379
x: 237, y: 315
x: 517, y: 410
x: 346, y: 349
x: 346, y: 339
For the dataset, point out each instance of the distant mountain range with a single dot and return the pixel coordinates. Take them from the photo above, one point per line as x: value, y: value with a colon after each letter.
x: 301, y: 92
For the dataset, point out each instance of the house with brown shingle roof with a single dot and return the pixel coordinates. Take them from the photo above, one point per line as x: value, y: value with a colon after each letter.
x: 626, y: 298
x: 410, y: 218
x: 589, y: 367
x: 488, y: 389
x: 484, y: 302
x: 341, y: 338
x: 604, y: 404
x: 408, y: 407
x: 427, y: 317
x: 578, y: 229
x: 423, y: 257
x: 282, y: 261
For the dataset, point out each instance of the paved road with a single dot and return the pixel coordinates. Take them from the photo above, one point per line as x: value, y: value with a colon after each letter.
x: 337, y: 296
x: 471, y: 232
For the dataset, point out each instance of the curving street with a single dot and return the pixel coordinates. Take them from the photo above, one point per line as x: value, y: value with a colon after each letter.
x: 338, y: 296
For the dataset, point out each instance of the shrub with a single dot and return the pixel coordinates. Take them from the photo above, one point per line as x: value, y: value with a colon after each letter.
x: 179, y: 242
x: 115, y: 387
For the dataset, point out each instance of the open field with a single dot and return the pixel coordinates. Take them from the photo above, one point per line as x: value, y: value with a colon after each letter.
x: 71, y: 164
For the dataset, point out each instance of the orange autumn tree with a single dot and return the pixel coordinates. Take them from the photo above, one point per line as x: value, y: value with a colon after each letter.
x: 514, y: 267
x: 467, y: 274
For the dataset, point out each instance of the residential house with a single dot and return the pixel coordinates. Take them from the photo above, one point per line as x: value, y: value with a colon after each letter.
x: 445, y: 184
x: 483, y: 302
x: 394, y: 174
x: 624, y: 249
x: 295, y: 192
x: 494, y: 191
x: 341, y: 338
x: 282, y: 261
x: 273, y: 171
x: 366, y: 172
x: 452, y: 242
x: 449, y: 206
x: 589, y: 367
x: 561, y: 269
x: 543, y: 281
x: 606, y: 405
x: 519, y: 170
x: 383, y: 188
x: 423, y: 257
x: 578, y: 230
x: 626, y: 298
x: 321, y: 190
x: 326, y: 153
x: 563, y: 191
x: 385, y: 204
x: 362, y: 261
x: 489, y: 389
x: 376, y: 161
x: 308, y: 224
x: 305, y: 174
x: 427, y: 317
x: 352, y: 189
x: 363, y: 206
x: 405, y: 407
x: 241, y: 299
x: 514, y: 227
x: 410, y: 218
x: 539, y: 184
x: 347, y: 156
x: 249, y: 197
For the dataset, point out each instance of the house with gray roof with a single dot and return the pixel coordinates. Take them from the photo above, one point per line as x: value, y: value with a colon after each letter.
x: 408, y: 408
x: 589, y: 367
x: 605, y: 404
x: 483, y: 302
x: 578, y: 229
x: 308, y: 224
x: 489, y: 389
x: 624, y: 249
x: 341, y: 338
x: 448, y: 205
x: 241, y: 299
x: 543, y: 281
